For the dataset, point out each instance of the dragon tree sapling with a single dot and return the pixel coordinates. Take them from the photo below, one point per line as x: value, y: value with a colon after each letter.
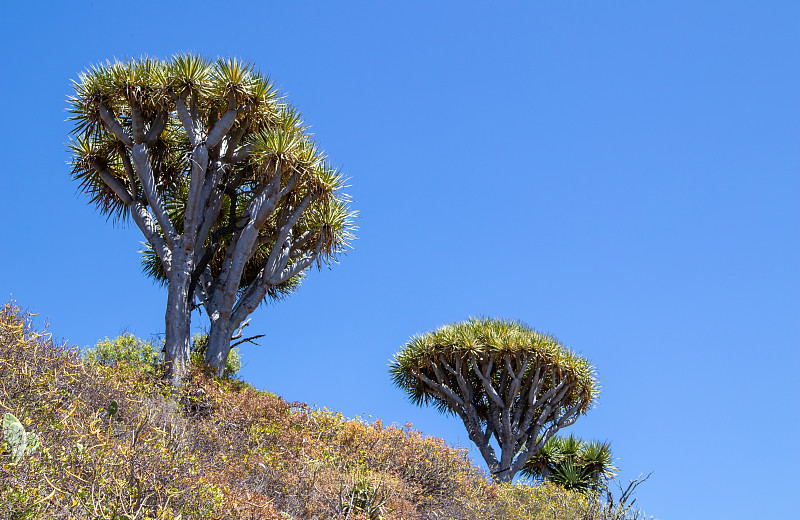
x: 573, y: 463
x: 505, y: 381
x: 216, y: 169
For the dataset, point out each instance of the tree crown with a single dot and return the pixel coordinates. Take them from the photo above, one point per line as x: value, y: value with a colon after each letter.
x: 503, y: 341
x: 142, y: 97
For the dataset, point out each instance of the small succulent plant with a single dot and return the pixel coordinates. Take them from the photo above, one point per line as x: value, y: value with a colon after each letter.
x: 112, y: 409
x: 21, y: 442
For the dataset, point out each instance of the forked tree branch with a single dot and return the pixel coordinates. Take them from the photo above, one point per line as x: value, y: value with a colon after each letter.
x: 185, y: 117
x: 141, y: 160
x: 301, y: 241
x: 567, y: 419
x: 156, y: 127
x: 241, y: 153
x: 114, y: 126
x: 259, y: 287
x: 141, y: 216
x: 263, y: 211
x: 129, y: 172
x: 443, y: 390
x: 112, y: 182
x: 487, y: 384
x: 194, y: 203
x: 280, y: 253
x: 247, y: 340
x: 465, y: 409
x: 232, y: 142
x: 529, y: 391
x: 516, y: 415
x: 289, y: 271
x: 261, y: 204
x: 221, y: 129
x: 211, y: 197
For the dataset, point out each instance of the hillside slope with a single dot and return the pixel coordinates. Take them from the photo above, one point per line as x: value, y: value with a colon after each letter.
x: 117, y: 444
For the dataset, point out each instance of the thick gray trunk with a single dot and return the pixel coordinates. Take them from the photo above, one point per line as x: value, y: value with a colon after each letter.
x: 177, y: 321
x: 507, y: 453
x: 482, y: 442
x: 504, y: 476
x: 219, y: 342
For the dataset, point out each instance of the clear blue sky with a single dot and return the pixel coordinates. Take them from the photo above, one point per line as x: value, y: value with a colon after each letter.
x: 624, y: 175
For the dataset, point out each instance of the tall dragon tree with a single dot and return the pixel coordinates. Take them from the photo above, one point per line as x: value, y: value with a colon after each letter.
x: 219, y: 173
x: 508, y: 383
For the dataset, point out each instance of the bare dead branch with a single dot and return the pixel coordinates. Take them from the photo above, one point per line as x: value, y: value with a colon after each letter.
x: 248, y: 340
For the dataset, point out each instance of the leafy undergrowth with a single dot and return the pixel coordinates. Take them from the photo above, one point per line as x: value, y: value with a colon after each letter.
x: 117, y: 444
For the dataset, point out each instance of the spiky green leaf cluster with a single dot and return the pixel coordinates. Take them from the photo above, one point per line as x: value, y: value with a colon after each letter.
x: 573, y: 464
x: 487, y: 338
x: 153, y: 85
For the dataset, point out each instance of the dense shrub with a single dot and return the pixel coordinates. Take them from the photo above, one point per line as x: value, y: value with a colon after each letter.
x: 125, y: 350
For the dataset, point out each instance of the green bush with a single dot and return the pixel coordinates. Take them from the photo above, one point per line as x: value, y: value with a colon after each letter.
x: 126, y: 351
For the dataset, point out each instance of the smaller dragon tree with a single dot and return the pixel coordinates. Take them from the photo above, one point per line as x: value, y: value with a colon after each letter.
x: 572, y: 463
x: 507, y: 382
